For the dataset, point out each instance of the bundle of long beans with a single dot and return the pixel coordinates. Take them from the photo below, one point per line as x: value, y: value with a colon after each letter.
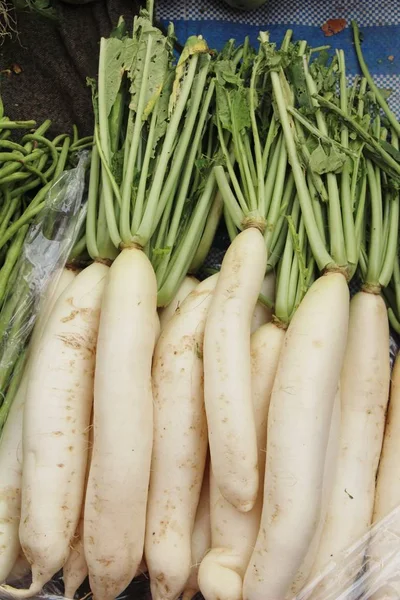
x: 31, y: 162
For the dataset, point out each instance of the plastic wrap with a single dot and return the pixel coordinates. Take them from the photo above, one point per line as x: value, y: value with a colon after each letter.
x: 48, y: 242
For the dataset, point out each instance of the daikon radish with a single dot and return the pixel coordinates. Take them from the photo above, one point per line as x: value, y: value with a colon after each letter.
x: 387, y: 496
x: 364, y: 395
x: 10, y: 483
x: 178, y: 460
x: 331, y: 461
x: 233, y: 533
x: 115, y: 507
x: 56, y: 419
x: 188, y: 284
x: 227, y: 370
x: 262, y: 313
x: 75, y: 569
x: 201, y: 537
x: 298, y: 430
x: 11, y: 446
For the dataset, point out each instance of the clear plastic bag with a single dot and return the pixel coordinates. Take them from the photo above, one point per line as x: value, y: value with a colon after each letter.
x: 46, y: 248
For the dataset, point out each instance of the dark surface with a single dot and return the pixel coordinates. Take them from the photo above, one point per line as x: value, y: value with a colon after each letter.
x: 55, y: 58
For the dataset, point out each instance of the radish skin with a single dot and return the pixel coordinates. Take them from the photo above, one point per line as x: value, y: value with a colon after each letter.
x: 11, y: 448
x: 227, y: 370
x: 75, y: 569
x: 331, y: 462
x: 188, y: 285
x: 262, y: 313
x: 233, y: 532
x: 364, y: 384
x: 178, y: 460
x: 384, y: 545
x: 116, y: 498
x: 299, y: 422
x: 10, y: 483
x: 387, y: 495
x: 56, y: 420
x: 201, y: 537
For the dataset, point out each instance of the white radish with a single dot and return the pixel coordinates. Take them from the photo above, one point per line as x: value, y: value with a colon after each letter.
x: 331, y: 461
x: 178, y: 461
x: 364, y: 390
x: 384, y: 544
x: 11, y: 446
x: 10, y: 483
x: 387, y: 495
x: 262, y: 313
x: 116, y: 497
x: 188, y: 285
x: 299, y: 422
x: 75, y: 569
x: 233, y: 533
x: 227, y: 370
x: 201, y: 537
x: 56, y: 419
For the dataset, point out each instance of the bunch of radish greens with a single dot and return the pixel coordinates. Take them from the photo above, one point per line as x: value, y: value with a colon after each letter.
x: 137, y: 372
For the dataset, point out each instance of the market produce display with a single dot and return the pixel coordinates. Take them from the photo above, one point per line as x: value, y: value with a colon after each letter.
x: 224, y: 432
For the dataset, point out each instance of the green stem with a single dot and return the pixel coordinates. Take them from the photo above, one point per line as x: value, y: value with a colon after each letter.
x: 186, y: 249
x: 125, y: 219
x: 345, y: 181
x: 91, y: 218
x: 321, y: 255
x: 229, y: 199
x: 282, y: 288
x: 272, y: 173
x: 108, y: 198
x: 232, y: 175
x: 275, y: 205
x: 256, y: 139
x: 141, y: 193
x: 184, y: 187
x: 213, y: 219
x: 378, y: 95
x: 149, y: 223
x: 272, y: 130
x: 194, y: 121
x: 375, y: 246
x: 337, y: 240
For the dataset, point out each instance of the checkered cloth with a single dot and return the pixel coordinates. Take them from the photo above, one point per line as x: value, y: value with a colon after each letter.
x: 379, y: 21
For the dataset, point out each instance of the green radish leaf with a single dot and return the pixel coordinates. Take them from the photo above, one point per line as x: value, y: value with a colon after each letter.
x: 297, y: 78
x: 322, y: 162
x: 117, y: 165
x: 194, y: 45
x: 114, y: 58
x: 162, y: 110
x: 390, y: 150
x: 240, y: 109
x: 144, y: 34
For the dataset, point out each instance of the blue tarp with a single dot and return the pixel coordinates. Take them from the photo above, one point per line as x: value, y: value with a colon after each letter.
x: 379, y: 22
